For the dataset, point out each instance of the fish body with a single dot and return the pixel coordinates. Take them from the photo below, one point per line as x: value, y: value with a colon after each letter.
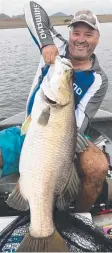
x: 47, y: 173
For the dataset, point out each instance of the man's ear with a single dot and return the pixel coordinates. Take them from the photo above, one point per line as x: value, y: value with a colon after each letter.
x: 98, y: 37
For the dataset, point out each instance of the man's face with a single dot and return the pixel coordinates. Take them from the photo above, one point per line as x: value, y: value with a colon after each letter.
x: 82, y: 41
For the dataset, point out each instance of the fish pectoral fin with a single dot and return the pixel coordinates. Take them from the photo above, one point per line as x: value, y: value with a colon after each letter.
x: 70, y: 191
x: 52, y: 243
x: 44, y: 116
x: 25, y: 125
x: 16, y: 200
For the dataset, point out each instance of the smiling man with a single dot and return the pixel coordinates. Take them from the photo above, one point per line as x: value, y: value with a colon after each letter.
x: 89, y: 82
x: 83, y: 38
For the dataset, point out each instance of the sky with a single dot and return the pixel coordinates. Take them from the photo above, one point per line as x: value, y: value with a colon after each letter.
x: 69, y: 7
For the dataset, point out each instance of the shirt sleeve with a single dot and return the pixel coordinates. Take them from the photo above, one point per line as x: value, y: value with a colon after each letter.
x: 92, y: 106
x: 39, y: 25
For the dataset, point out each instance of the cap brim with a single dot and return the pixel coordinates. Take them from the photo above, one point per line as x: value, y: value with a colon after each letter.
x: 82, y: 21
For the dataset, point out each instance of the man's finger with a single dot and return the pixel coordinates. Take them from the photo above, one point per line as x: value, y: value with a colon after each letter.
x: 53, y: 57
x: 47, y: 58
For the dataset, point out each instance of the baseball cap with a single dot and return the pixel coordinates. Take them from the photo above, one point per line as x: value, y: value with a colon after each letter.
x: 87, y: 17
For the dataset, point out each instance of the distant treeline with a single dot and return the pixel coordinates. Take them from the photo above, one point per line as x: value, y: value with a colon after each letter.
x: 56, y: 20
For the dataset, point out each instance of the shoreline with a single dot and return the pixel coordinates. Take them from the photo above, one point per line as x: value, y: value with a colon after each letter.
x: 56, y: 21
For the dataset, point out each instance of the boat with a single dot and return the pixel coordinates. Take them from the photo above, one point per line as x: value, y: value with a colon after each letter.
x: 12, y: 221
x: 99, y: 131
x: 101, y: 124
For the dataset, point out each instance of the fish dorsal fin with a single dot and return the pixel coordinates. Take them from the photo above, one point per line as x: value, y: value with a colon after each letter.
x: 71, y: 190
x: 44, y: 116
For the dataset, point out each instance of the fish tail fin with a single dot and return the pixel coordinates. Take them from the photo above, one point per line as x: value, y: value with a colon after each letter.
x: 52, y: 243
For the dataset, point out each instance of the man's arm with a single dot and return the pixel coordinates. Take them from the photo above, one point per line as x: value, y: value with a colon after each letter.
x: 42, y: 31
x: 86, y: 114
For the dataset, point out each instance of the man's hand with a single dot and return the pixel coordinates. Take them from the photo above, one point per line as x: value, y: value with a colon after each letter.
x: 49, y: 53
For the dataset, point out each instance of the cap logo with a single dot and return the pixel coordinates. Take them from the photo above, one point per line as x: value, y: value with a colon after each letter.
x: 85, y: 17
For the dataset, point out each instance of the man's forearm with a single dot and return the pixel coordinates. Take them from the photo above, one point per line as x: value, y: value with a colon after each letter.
x: 39, y: 24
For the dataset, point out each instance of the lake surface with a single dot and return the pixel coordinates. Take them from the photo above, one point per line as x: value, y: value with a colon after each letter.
x: 19, y: 58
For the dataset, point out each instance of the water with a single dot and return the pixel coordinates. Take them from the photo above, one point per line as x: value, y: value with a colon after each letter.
x: 19, y: 58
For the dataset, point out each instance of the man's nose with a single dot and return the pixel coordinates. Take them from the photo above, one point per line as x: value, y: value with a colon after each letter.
x: 81, y: 38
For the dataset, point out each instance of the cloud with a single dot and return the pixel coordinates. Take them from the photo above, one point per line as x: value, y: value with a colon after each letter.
x: 71, y: 6
x: 14, y: 7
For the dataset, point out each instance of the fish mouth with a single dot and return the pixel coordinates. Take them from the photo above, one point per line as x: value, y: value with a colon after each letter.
x: 48, y: 95
x: 49, y: 100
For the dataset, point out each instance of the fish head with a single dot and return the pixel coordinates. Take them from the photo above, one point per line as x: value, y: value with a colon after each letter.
x: 59, y: 89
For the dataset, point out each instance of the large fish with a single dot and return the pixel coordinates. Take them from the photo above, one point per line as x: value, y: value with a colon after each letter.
x: 48, y: 177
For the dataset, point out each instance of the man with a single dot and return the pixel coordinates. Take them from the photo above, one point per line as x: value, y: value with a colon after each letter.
x: 89, y: 82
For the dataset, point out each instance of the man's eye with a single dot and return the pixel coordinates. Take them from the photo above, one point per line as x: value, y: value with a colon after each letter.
x: 75, y: 33
x: 88, y: 35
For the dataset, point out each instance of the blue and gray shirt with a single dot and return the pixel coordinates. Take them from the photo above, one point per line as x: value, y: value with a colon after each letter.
x: 90, y: 85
